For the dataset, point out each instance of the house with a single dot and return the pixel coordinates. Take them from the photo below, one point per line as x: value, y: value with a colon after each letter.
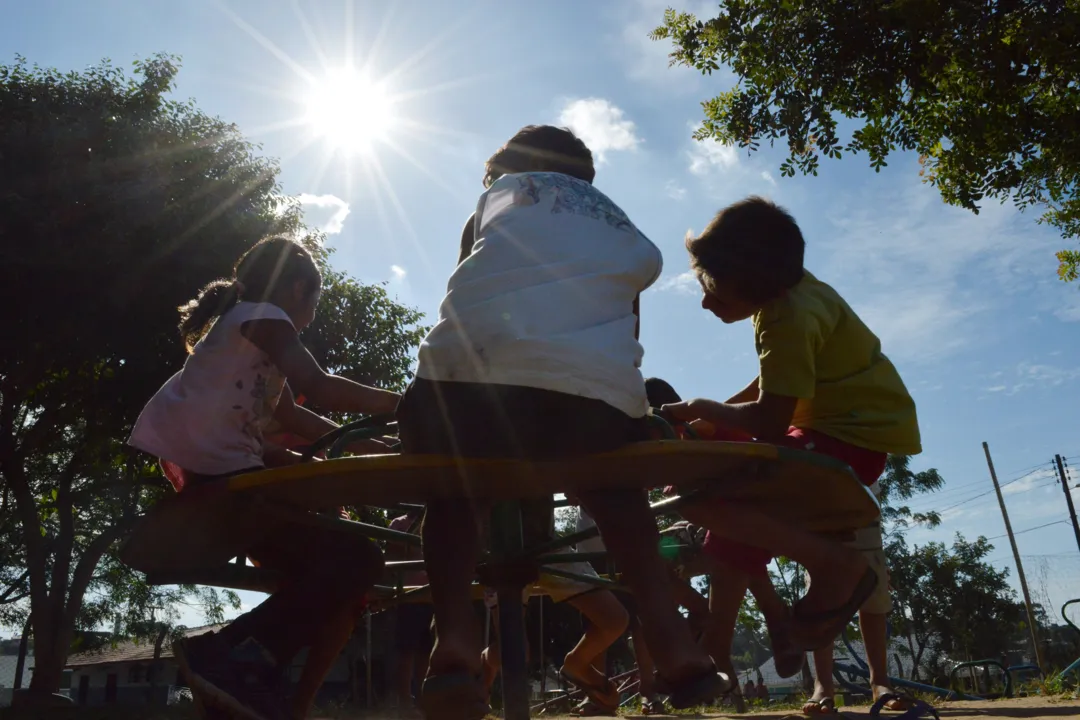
x: 127, y: 673
x: 9, y: 660
x: 134, y: 673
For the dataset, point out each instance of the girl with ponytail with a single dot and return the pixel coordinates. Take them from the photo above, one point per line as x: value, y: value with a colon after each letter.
x: 207, y: 423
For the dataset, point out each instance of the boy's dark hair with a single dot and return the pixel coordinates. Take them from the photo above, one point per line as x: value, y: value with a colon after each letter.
x: 660, y: 393
x: 755, y: 245
x: 273, y: 262
x: 542, y: 148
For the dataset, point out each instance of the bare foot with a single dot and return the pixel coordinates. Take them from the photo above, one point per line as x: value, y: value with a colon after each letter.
x: 820, y: 703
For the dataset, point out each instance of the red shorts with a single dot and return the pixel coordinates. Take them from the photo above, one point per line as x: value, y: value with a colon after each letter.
x: 867, y: 464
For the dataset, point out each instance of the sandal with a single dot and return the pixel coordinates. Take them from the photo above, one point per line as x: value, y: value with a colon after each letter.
x: 655, y: 706
x: 453, y: 696
x: 811, y: 631
x: 916, y: 708
x: 604, y: 696
x: 590, y: 708
x: 699, y: 690
x: 824, y: 706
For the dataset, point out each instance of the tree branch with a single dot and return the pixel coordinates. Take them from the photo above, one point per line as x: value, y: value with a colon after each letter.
x: 5, y: 597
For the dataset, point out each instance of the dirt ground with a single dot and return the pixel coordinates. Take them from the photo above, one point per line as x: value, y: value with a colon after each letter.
x: 1030, y: 708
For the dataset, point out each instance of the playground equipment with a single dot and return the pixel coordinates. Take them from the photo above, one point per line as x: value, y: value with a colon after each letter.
x: 1073, y: 667
x: 845, y: 675
x: 807, y: 490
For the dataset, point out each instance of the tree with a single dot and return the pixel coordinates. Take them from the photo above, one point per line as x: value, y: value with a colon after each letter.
x: 116, y: 205
x: 900, y: 484
x: 985, y: 92
x: 971, y: 611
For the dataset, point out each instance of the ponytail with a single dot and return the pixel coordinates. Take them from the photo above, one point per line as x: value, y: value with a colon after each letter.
x: 271, y: 263
x: 213, y: 301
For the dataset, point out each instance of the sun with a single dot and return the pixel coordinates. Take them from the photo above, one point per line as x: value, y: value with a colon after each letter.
x: 350, y: 110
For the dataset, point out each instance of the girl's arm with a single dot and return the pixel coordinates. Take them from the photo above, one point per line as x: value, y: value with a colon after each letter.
x: 298, y: 420
x: 312, y: 426
x: 279, y: 340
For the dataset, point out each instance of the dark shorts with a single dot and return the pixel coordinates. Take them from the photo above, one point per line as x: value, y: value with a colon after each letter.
x: 413, y: 627
x: 507, y: 421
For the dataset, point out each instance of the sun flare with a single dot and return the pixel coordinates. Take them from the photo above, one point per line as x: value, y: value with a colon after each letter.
x: 350, y: 110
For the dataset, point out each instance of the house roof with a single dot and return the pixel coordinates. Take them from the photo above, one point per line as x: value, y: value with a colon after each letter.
x: 129, y: 651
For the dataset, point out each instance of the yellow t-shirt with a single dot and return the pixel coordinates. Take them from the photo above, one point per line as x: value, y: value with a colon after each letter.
x: 812, y: 346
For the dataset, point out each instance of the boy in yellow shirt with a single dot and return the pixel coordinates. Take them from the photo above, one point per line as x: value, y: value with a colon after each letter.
x: 825, y: 386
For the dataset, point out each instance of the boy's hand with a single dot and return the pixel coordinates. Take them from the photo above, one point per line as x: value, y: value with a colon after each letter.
x: 688, y: 411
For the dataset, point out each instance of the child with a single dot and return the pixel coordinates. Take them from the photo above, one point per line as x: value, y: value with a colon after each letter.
x: 207, y: 423
x: 535, y: 356
x: 824, y: 386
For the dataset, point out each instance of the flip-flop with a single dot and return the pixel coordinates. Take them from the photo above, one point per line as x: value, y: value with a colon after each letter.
x: 699, y: 690
x: 599, y: 695
x: 453, y: 696
x: 654, y: 707
x: 916, y: 708
x: 824, y: 706
x: 589, y: 708
x: 807, y: 628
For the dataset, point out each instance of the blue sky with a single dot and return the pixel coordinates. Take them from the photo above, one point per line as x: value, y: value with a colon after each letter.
x: 967, y: 306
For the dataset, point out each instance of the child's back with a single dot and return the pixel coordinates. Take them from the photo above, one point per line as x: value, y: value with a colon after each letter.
x: 812, y: 346
x: 546, y: 299
x: 209, y: 417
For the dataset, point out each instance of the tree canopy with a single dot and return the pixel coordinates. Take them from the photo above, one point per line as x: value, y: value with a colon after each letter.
x: 986, y: 93
x: 117, y: 204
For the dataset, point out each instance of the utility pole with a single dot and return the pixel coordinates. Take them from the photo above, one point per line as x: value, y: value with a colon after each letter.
x: 1068, y: 497
x: 1016, y: 556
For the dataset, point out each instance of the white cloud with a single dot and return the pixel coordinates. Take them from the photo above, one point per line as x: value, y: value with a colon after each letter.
x: 685, y: 283
x: 924, y: 275
x: 767, y: 177
x: 1029, y: 482
x: 335, y: 222
x: 709, y: 155
x: 1047, y: 375
x: 674, y: 190
x: 601, y: 125
x: 646, y: 60
x: 997, y: 388
x: 398, y: 271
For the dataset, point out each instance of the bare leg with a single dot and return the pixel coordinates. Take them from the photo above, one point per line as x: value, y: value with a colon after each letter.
x: 823, y: 681
x: 451, y: 544
x: 647, y: 683
x: 607, y: 620
x: 490, y: 658
x: 727, y: 592
x: 322, y: 655
x: 875, y: 638
x: 839, y: 568
x: 629, y: 532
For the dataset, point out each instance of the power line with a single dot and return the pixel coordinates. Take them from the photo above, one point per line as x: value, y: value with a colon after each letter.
x: 1031, y: 529
x: 929, y: 501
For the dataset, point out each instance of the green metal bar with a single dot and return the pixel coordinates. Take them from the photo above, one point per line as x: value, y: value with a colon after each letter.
x: 507, y: 542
